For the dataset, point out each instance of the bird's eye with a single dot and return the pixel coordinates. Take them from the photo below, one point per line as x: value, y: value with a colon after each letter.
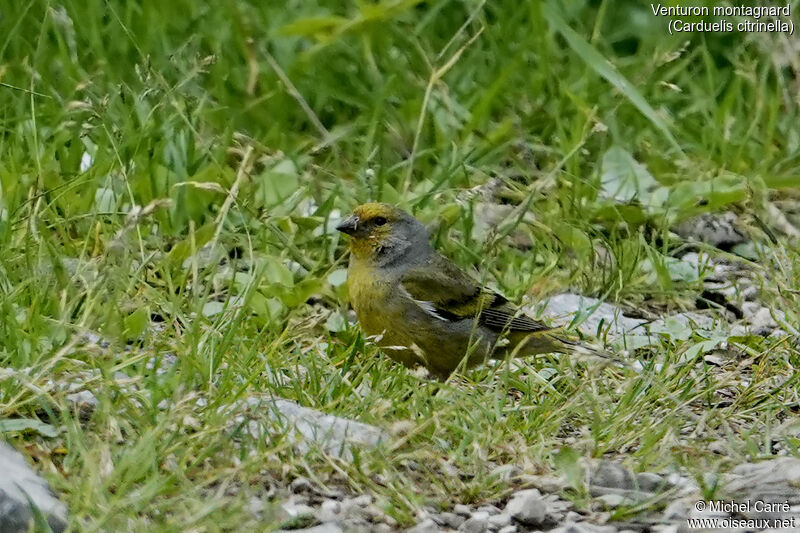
x: 379, y: 221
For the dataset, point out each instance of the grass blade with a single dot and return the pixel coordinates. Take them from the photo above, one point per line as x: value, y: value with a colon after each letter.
x: 602, y: 66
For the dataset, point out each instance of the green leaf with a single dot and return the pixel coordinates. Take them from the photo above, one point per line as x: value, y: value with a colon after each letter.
x: 574, y: 239
x: 390, y: 195
x: 689, y: 198
x: 135, y: 324
x: 301, y: 292
x: 336, y: 322
x: 105, y: 201
x: 567, y: 460
x: 748, y: 250
x: 674, y: 328
x: 317, y: 27
x: 276, y: 272
x: 277, y: 184
x: 624, y: 179
x: 632, y: 342
x: 257, y: 304
x: 632, y: 214
x: 28, y: 424
x: 213, y: 308
x: 181, y: 251
x: 681, y: 270
x: 700, y: 348
x: 656, y: 265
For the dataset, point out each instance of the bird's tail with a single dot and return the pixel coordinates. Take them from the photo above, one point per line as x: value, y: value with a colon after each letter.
x: 581, y: 351
x: 552, y: 341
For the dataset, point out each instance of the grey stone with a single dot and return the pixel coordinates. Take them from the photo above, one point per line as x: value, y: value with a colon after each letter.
x: 84, y: 401
x: 772, y: 482
x: 356, y: 505
x: 337, y: 436
x: 739, y: 330
x: 629, y: 496
x: 665, y: 528
x: 684, y: 319
x: 718, y: 446
x: 490, y: 212
x: 499, y: 520
x: 451, y: 520
x: 763, y: 321
x: 649, y: 482
x: 693, y: 512
x: 545, y: 483
x: 256, y: 505
x: 778, y: 333
x: 299, y: 485
x: 683, y: 484
x: 557, y: 509
x: 374, y: 514
x: 491, y: 509
x: 583, y: 527
x: 508, y: 529
x: 360, y: 508
x: 19, y: 484
x: 426, y: 526
x: 614, y: 475
x: 293, y: 509
x: 363, y: 499
x: 506, y: 472
x: 749, y: 293
x: 696, y: 260
x: 356, y: 525
x: 527, y: 507
x: 562, y: 307
x: 716, y: 229
x: 329, y: 511
x: 613, y: 500
x: 477, y: 523
x: 749, y: 309
x: 463, y: 510
x: 726, y: 270
x: 162, y: 363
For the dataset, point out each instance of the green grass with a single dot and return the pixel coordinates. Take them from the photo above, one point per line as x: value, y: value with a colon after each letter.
x: 246, y: 127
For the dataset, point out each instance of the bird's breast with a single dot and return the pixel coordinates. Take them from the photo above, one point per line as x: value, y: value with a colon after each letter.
x: 370, y: 295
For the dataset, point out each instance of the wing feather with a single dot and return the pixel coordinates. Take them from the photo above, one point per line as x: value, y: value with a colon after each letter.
x: 446, y: 292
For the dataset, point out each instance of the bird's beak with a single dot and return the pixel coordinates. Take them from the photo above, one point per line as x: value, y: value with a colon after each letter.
x: 349, y: 225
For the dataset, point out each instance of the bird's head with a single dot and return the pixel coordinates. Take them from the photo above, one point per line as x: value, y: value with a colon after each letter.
x: 383, y: 233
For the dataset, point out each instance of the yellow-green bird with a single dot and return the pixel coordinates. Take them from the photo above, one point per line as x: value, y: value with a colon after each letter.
x: 424, y: 310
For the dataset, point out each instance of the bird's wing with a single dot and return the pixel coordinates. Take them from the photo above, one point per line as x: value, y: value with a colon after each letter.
x: 447, y: 293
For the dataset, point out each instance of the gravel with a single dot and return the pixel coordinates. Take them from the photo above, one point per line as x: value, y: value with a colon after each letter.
x: 613, y: 475
x: 477, y: 523
x: 527, y: 507
x: 337, y: 436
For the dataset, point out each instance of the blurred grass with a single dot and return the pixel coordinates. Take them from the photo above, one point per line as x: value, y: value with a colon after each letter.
x: 128, y: 126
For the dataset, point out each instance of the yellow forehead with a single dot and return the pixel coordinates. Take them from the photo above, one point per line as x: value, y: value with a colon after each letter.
x: 372, y: 210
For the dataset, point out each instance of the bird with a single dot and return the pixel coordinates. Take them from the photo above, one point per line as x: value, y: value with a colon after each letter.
x: 422, y: 309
